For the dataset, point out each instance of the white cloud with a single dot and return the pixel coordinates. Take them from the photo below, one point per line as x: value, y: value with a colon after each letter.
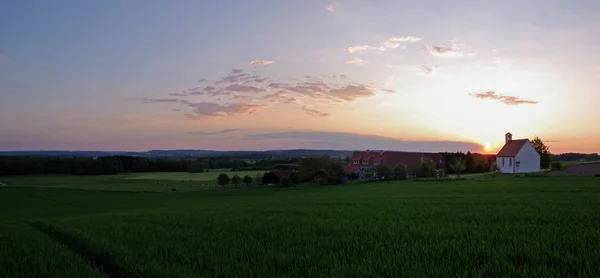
x: 393, y: 42
x: 261, y: 62
x: 356, y: 61
x: 329, y: 7
x: 451, y: 50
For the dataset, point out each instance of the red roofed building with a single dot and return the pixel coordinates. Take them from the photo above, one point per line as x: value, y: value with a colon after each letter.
x: 361, y: 160
x: 518, y: 156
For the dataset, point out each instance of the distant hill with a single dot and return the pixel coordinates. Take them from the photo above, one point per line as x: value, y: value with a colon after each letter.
x: 187, y: 153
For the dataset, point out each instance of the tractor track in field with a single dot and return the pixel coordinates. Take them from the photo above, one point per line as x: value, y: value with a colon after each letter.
x: 78, y: 246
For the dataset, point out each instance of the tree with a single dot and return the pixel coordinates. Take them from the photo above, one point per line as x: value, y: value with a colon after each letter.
x: 458, y: 165
x: 247, y: 180
x: 294, y: 177
x: 426, y: 170
x: 383, y: 171
x: 544, y: 152
x: 258, y: 178
x: 470, y: 163
x: 196, y: 167
x: 236, y: 180
x: 223, y: 179
x: 399, y: 171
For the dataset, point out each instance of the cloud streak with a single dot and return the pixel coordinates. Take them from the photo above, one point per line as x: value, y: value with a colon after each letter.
x: 230, y: 130
x: 314, y: 112
x: 429, y: 69
x: 329, y: 7
x: 261, y: 63
x: 393, y: 42
x: 508, y: 100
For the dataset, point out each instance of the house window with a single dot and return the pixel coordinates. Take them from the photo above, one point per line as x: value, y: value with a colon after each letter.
x: 503, y: 161
x: 365, y: 162
x: 355, y: 161
x: 376, y: 162
x: 510, y: 162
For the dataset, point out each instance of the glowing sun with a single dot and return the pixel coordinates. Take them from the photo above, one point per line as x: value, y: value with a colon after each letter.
x: 487, y: 145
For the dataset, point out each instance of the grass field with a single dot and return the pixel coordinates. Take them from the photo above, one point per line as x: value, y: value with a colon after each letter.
x: 504, y: 226
x: 154, y: 182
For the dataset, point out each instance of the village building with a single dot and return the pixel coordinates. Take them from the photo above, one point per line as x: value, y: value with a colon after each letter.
x: 517, y: 156
x: 363, y: 160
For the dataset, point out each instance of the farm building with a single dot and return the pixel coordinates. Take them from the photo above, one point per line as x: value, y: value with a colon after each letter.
x: 362, y: 160
x: 517, y: 156
x: 274, y: 177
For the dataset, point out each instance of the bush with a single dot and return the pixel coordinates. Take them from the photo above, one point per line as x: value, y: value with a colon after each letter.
x: 383, y: 171
x: 555, y: 166
x: 294, y: 177
x: 336, y: 180
x: 286, y: 182
x: 400, y: 172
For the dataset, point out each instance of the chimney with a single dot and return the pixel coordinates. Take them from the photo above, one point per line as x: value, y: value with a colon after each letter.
x: 507, y: 137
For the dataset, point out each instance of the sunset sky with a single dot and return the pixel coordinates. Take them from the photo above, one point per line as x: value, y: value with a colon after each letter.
x: 272, y: 74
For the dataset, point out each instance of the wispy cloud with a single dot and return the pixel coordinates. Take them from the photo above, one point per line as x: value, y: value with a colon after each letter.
x: 182, y: 94
x: 429, y: 69
x: 213, y: 132
x: 240, y: 92
x: 329, y: 7
x: 393, y: 42
x: 356, y: 61
x: 314, y: 112
x: 261, y: 63
x: 163, y: 100
x: 596, y: 68
x: 446, y: 50
x: 211, y: 109
x: 508, y: 100
x: 280, y: 97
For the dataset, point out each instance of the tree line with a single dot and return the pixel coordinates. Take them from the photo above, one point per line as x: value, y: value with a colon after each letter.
x: 30, y: 165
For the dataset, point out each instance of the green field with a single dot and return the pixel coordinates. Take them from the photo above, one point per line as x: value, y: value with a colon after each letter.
x: 503, y: 226
x: 154, y: 182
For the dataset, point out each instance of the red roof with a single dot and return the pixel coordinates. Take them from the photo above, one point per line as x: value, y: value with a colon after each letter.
x: 369, y: 159
x: 512, y: 147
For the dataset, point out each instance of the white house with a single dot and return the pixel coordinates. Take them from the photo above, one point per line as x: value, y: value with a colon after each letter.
x: 518, y: 156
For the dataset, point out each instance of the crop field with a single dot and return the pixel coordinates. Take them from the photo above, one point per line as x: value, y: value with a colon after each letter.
x: 502, y: 226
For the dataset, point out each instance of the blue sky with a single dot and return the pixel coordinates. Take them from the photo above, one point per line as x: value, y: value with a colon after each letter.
x: 98, y: 74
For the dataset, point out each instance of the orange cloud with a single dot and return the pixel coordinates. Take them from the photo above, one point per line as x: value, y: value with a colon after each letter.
x: 508, y: 100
